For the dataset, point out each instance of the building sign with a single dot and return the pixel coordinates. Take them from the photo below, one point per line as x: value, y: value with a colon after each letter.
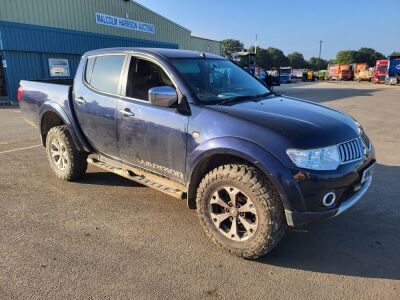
x: 124, y: 23
x: 59, y: 67
x: 4, y: 63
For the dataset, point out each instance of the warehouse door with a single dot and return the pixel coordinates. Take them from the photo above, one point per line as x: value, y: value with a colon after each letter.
x: 3, y: 86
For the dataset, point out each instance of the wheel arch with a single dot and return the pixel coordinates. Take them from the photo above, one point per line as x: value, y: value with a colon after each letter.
x: 51, y: 115
x: 217, y: 152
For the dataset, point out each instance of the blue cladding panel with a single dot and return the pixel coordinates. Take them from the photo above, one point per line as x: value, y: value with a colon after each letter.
x: 32, y: 65
x: 23, y: 37
x: 27, y: 48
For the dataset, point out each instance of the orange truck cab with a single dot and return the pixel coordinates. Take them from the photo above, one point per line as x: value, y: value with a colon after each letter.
x: 345, y: 72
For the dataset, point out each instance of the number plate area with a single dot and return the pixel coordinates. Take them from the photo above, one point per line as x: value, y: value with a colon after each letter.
x: 367, y: 173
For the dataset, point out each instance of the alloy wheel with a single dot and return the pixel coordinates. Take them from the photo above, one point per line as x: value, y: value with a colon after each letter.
x: 233, y: 213
x: 59, y: 154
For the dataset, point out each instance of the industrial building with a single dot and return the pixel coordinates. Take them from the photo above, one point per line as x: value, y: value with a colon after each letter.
x: 44, y: 39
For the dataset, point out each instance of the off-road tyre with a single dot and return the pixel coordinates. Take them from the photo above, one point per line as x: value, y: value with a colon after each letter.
x: 267, y: 202
x: 76, y: 164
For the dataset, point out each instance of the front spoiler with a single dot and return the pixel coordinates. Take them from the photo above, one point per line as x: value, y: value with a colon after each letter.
x: 296, y: 219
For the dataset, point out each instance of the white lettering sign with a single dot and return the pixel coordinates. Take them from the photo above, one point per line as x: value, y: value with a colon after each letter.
x: 124, y: 23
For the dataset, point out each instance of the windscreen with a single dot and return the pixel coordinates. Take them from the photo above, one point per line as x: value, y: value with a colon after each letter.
x: 382, y: 68
x: 285, y: 71
x: 213, y: 80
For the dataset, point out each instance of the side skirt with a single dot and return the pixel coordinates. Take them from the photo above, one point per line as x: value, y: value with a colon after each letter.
x: 151, y: 180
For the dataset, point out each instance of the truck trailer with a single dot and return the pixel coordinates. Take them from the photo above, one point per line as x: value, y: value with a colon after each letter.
x: 393, y: 70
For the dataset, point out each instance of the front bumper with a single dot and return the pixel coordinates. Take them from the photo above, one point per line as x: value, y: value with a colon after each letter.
x: 295, y: 219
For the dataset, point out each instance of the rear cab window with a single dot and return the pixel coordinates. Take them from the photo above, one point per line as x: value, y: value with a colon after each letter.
x: 103, y: 72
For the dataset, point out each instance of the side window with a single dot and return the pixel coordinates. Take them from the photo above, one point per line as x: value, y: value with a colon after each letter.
x: 142, y: 76
x: 89, y: 68
x: 106, y: 73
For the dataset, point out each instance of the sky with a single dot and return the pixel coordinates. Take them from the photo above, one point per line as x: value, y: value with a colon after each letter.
x: 291, y: 25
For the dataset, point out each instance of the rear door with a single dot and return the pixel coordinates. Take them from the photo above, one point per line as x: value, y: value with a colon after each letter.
x: 149, y: 136
x: 96, y: 101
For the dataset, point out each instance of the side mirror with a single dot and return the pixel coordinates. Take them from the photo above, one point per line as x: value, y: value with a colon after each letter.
x: 162, y: 96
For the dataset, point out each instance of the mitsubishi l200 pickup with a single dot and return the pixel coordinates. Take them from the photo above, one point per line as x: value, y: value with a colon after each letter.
x: 200, y: 128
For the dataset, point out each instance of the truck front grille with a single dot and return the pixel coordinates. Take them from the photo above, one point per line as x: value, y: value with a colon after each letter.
x: 351, y: 150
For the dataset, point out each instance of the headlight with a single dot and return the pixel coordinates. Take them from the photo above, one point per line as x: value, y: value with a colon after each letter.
x: 315, y: 159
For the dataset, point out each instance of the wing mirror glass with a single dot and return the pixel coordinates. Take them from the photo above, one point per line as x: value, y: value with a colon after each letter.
x: 162, y: 96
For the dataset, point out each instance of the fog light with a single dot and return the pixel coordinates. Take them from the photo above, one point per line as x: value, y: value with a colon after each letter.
x: 329, y: 199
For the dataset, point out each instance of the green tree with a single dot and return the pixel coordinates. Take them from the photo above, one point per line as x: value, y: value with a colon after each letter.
x: 263, y: 58
x: 347, y: 57
x: 369, y: 56
x: 395, y: 53
x: 230, y: 46
x: 315, y: 64
x: 278, y: 58
x: 297, y: 60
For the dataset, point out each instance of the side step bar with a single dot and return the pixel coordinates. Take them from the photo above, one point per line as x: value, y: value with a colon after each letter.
x: 148, y: 179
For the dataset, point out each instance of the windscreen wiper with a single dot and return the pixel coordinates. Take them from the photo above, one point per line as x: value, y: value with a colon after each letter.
x: 243, y: 97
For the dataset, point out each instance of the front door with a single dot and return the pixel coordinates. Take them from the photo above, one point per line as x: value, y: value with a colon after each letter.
x: 96, y: 101
x: 150, y: 137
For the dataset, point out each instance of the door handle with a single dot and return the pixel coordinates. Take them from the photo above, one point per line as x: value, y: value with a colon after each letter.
x: 126, y: 112
x: 80, y: 100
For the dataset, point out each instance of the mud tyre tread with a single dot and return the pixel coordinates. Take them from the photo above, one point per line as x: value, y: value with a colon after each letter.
x: 77, y: 159
x: 269, y: 204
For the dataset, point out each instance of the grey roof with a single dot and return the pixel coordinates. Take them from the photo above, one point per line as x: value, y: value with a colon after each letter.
x: 164, y: 52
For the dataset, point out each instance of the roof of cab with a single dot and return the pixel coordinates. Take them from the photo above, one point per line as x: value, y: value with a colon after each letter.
x: 164, y: 52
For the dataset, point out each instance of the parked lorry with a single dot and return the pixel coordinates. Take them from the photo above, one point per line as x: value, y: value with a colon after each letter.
x: 393, y: 70
x: 297, y: 73
x: 365, y: 75
x: 308, y: 75
x: 334, y: 71
x: 285, y: 74
x: 339, y: 72
x: 245, y: 59
x: 357, y: 68
x: 380, y: 71
x: 323, y: 75
x: 345, y: 72
x: 198, y: 127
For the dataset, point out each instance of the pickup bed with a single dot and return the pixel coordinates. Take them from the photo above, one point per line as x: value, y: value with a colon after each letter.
x: 200, y: 128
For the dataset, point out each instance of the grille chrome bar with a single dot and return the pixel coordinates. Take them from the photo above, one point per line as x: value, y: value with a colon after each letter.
x: 351, y: 151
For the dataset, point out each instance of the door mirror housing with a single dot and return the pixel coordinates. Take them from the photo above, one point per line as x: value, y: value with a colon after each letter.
x: 163, y: 96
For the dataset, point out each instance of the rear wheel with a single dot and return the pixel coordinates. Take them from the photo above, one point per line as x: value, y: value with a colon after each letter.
x: 240, y: 210
x: 66, y: 161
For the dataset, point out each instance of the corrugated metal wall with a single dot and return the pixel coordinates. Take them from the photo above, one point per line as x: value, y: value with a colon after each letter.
x: 31, y: 31
x: 27, y: 48
x: 205, y: 45
x: 80, y: 15
x: 22, y: 37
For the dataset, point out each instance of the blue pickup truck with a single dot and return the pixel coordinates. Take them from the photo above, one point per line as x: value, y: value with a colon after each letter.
x: 200, y: 128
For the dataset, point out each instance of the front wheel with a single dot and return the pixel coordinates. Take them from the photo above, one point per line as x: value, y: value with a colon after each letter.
x: 240, y: 210
x: 66, y: 161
